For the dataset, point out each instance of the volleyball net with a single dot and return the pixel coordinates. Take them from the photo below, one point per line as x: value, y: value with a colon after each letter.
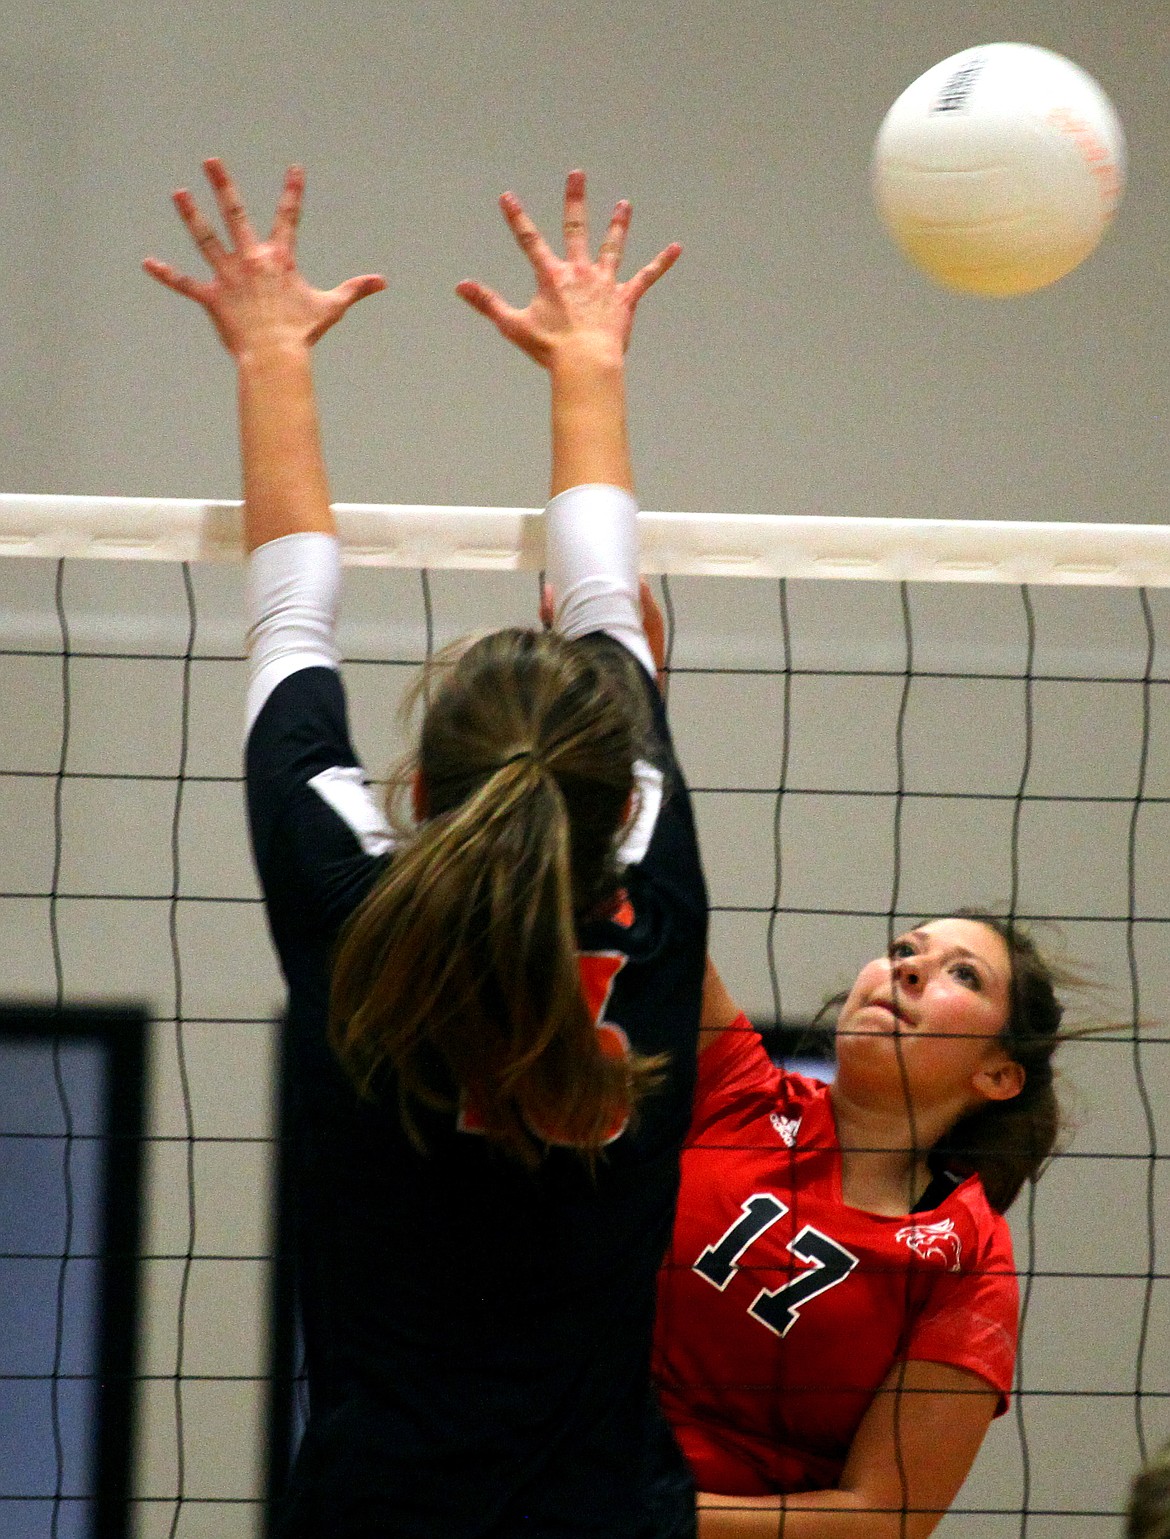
x: 880, y: 720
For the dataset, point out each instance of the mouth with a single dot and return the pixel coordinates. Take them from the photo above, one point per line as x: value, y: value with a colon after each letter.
x: 895, y: 1011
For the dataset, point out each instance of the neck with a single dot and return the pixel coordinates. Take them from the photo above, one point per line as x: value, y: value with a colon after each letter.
x: 884, y: 1152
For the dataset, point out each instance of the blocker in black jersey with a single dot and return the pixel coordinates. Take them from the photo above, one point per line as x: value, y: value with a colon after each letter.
x: 477, y: 1333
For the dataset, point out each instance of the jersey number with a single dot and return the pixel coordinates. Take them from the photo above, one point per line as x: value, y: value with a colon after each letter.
x: 779, y: 1308
x: 598, y: 971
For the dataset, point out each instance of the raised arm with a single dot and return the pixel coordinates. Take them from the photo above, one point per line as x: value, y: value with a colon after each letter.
x: 719, y: 1009
x: 578, y: 326
x: 268, y: 317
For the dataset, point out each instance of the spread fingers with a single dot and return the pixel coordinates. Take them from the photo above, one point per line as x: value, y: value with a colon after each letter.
x: 201, y: 230
x: 229, y: 203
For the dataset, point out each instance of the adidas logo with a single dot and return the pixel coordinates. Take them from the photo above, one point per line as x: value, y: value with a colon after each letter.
x: 787, y: 1127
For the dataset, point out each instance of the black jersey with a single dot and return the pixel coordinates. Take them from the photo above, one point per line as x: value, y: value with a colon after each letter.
x: 477, y: 1334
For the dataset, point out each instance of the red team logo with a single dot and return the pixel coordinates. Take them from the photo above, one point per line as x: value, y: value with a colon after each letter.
x: 934, y: 1242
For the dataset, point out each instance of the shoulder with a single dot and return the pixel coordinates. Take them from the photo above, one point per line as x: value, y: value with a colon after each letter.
x: 735, y: 1059
x: 963, y: 1230
x: 300, y: 741
x: 737, y: 1078
x: 318, y: 832
x: 969, y: 1317
x: 991, y: 1229
x: 660, y: 782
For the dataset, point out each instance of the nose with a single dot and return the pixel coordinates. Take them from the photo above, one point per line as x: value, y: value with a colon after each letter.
x: 907, y: 972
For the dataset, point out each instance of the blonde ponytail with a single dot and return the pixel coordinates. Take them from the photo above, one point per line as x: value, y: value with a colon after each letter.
x: 457, y: 982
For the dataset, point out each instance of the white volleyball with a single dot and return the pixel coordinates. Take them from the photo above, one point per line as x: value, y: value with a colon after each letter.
x: 999, y: 170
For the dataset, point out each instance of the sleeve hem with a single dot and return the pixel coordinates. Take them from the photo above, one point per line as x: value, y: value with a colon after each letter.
x: 723, y: 1057
x: 978, y: 1371
x: 591, y: 534
x: 293, y: 587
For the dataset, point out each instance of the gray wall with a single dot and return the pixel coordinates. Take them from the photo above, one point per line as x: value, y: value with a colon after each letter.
x: 790, y: 363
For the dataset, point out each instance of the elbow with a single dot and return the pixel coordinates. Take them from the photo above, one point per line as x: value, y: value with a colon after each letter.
x: 878, y: 1518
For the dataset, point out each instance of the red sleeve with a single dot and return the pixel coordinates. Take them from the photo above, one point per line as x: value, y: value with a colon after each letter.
x: 732, y: 1068
x: 971, y: 1319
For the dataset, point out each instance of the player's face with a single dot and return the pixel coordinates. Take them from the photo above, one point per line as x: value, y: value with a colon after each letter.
x: 929, y: 1017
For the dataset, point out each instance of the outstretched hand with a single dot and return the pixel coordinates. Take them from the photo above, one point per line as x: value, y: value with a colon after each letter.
x: 256, y: 296
x: 578, y: 298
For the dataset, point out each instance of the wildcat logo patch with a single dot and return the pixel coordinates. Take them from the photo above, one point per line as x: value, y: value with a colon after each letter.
x: 934, y: 1242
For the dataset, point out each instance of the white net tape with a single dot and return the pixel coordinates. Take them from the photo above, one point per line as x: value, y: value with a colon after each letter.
x: 681, y: 544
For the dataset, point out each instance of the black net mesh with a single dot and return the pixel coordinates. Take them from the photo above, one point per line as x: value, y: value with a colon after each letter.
x: 862, y: 755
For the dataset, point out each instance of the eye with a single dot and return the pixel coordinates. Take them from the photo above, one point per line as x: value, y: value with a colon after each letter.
x: 967, y: 975
x: 902, y: 948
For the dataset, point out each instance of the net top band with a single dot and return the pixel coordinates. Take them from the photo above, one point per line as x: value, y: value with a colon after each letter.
x: 684, y: 544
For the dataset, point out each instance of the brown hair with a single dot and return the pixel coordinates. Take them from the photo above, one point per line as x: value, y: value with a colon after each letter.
x: 1009, y: 1142
x: 458, y: 978
x: 1148, y: 1513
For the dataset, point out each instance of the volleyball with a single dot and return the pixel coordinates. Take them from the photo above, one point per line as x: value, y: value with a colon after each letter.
x: 998, y: 171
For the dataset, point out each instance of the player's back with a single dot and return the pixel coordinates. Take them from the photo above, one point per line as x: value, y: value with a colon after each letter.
x: 477, y: 1331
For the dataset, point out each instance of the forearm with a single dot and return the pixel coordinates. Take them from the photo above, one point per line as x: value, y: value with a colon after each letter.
x: 592, y: 533
x: 285, y: 486
x: 589, y: 438
x: 900, y: 1477
x: 809, y: 1515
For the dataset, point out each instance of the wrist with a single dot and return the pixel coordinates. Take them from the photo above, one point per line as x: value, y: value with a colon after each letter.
x: 587, y: 356
x: 264, y: 354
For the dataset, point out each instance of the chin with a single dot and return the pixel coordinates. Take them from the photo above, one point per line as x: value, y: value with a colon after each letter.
x: 877, y: 1059
x: 875, y: 1024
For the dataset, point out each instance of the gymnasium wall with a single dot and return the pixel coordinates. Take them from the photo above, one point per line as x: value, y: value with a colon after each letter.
x: 790, y: 364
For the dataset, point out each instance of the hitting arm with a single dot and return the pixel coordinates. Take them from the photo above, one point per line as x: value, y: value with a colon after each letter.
x: 268, y: 318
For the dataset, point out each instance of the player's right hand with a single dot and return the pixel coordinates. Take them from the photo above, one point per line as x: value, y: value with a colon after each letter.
x: 579, y: 301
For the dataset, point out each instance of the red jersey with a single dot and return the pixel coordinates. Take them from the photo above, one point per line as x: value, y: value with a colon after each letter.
x: 781, y: 1310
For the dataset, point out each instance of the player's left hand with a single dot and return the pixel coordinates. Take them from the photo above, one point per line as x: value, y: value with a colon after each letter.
x: 652, y: 623
x: 578, y: 299
x: 256, y: 296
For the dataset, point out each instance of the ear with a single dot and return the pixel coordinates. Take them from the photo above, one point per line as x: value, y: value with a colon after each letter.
x: 1000, y: 1081
x: 418, y: 797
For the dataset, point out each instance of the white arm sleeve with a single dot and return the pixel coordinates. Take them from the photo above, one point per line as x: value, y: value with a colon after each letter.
x: 293, y: 588
x: 591, y: 535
